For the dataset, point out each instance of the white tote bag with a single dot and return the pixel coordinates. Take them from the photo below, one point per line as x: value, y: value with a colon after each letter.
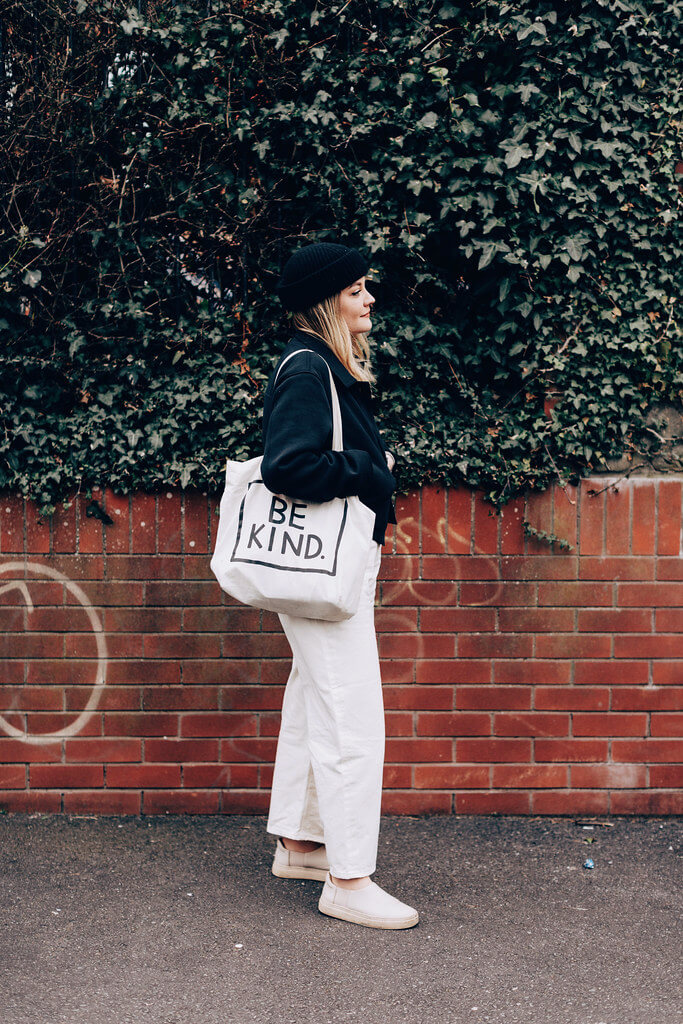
x: 288, y: 555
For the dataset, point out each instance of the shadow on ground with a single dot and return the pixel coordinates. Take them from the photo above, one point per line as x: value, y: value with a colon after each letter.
x: 177, y: 920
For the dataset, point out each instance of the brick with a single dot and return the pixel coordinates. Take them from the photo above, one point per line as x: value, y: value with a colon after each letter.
x: 418, y: 593
x: 221, y: 620
x: 647, y: 698
x: 459, y: 520
x: 450, y: 671
x: 565, y: 513
x: 11, y: 524
x: 644, y: 518
x: 666, y: 776
x: 608, y: 776
x: 398, y: 723
x: 493, y: 697
x: 453, y: 724
x: 486, y: 523
x: 104, y: 801
x: 433, y: 520
x: 247, y: 749
x: 539, y: 567
x: 489, y: 645
x: 12, y: 776
x: 534, y: 672
x: 667, y: 725
x: 578, y: 646
x: 197, y: 567
x: 648, y: 750
x: 145, y: 567
x: 142, y: 620
x: 669, y: 518
x: 592, y: 520
x: 609, y: 724
x: 90, y: 528
x: 457, y: 620
x: 499, y: 594
x: 37, y: 530
x: 643, y: 646
x: 169, y: 518
x: 102, y: 750
x: 397, y: 776
x: 459, y: 567
x: 398, y: 672
x: 561, y: 698
x: 669, y: 620
x: 137, y: 673
x: 418, y: 697
x: 181, y: 801
x: 143, y: 776
x: 110, y: 698
x: 409, y: 750
x: 617, y: 520
x: 222, y: 672
x: 536, y: 620
x: 143, y: 523
x: 636, y: 802
x: 180, y: 698
x: 539, y: 515
x: 451, y: 776
x: 64, y: 527
x: 416, y: 645
x: 31, y: 645
x: 245, y: 801
x: 196, y: 522
x: 79, y: 567
x: 35, y: 698
x: 44, y: 722
x: 408, y: 528
x: 575, y: 595
x: 566, y: 802
x: 256, y: 698
x: 529, y: 776
x: 650, y: 595
x: 667, y: 673
x: 617, y: 568
x: 399, y: 567
x: 246, y: 645
x: 669, y: 569
x: 66, y: 776
x: 182, y: 645
x: 400, y: 802
x: 214, y: 506
x: 570, y: 750
x: 394, y: 620
x: 222, y: 723
x: 506, y: 802
x: 533, y: 724
x: 511, y: 530
x: 140, y: 724
x: 615, y: 620
x: 13, y: 750
x: 490, y: 750
x: 117, y: 534
x: 105, y: 593
x: 31, y: 801
x: 613, y: 673
x: 175, y: 750
x: 221, y: 776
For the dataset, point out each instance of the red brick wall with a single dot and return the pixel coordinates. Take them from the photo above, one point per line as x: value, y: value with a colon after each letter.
x: 518, y: 678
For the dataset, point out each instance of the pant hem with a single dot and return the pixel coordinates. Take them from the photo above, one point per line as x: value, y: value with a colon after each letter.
x: 295, y: 833
x: 353, y: 872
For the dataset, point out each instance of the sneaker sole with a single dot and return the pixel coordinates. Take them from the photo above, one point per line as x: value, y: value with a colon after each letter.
x: 313, y: 874
x: 386, y: 923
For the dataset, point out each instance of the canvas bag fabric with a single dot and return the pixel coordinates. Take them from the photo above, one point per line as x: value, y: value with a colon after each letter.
x: 287, y: 555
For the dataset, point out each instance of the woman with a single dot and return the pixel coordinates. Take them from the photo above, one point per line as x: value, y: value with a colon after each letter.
x: 325, y: 802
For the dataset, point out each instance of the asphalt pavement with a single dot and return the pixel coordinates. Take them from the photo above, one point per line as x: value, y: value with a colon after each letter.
x: 178, y: 920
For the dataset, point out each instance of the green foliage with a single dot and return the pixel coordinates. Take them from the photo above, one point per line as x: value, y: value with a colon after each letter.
x: 509, y: 167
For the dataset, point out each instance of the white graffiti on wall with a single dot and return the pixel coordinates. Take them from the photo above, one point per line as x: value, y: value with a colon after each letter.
x: 22, y: 585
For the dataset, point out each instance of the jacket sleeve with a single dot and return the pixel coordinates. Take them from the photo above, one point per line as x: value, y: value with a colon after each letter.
x: 298, y: 460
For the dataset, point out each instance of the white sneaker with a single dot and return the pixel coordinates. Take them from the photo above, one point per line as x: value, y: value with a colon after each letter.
x: 290, y: 864
x: 371, y: 906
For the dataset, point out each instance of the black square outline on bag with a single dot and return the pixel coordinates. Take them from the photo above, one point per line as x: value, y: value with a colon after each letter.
x: 286, y: 568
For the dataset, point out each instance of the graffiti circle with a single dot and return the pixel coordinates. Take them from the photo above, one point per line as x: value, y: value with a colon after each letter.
x: 22, y: 585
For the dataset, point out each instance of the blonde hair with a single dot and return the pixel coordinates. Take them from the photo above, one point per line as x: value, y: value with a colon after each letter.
x: 325, y: 321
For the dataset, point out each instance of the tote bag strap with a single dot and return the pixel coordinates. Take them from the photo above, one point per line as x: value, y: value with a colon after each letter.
x: 337, y: 438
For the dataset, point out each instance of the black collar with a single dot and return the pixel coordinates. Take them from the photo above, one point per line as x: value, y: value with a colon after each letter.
x: 302, y: 340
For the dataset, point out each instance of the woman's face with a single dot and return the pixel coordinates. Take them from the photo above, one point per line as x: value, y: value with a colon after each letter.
x: 355, y: 303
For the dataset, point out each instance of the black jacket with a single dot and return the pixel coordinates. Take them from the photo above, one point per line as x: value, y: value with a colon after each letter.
x: 297, y: 435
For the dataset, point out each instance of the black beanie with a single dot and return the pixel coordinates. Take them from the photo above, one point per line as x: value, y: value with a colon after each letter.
x: 318, y: 271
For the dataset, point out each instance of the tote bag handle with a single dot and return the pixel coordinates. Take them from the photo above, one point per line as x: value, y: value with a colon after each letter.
x: 337, y: 438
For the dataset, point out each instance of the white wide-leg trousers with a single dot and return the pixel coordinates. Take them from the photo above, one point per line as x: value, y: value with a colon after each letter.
x: 327, y: 784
